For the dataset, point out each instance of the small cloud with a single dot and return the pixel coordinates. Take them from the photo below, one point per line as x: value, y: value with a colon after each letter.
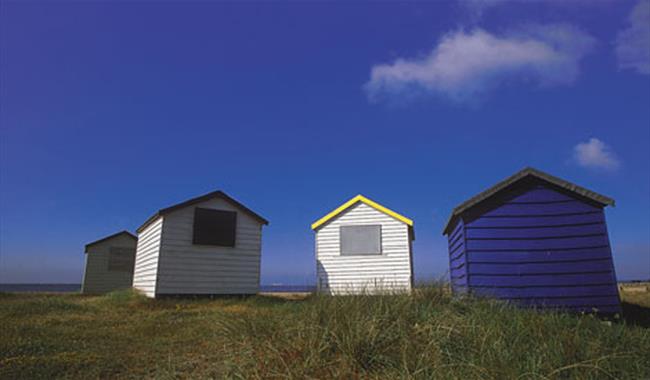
x: 595, y: 154
x: 633, y: 43
x: 465, y: 65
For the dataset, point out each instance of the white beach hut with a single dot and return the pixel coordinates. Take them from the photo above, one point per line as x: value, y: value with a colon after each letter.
x: 364, y: 247
x: 109, y: 263
x: 207, y: 245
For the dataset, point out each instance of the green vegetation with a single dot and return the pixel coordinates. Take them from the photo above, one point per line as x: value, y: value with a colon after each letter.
x: 427, y: 335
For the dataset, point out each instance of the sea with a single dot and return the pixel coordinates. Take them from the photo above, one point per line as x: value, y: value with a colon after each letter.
x: 71, y: 288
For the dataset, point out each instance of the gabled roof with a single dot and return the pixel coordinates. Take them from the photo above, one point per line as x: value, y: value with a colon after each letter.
x: 125, y: 232
x: 520, y: 175
x: 215, y: 194
x: 362, y: 199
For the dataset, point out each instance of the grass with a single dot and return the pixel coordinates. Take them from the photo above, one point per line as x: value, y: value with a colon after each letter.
x: 427, y: 335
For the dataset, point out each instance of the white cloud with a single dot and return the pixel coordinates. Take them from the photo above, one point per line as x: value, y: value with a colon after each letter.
x: 633, y: 43
x: 595, y: 154
x: 466, y: 64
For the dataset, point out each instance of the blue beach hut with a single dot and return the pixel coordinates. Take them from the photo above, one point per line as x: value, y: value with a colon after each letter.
x: 535, y: 240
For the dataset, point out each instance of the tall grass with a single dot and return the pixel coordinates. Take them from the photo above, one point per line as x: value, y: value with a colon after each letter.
x: 424, y: 335
x: 430, y: 335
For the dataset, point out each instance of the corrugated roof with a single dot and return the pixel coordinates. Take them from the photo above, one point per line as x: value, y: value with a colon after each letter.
x: 527, y: 172
x: 215, y: 194
x: 353, y: 201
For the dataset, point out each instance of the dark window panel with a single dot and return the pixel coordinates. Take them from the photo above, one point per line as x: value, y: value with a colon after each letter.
x: 214, y: 227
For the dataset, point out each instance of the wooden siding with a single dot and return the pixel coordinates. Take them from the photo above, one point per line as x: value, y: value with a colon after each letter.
x: 543, y: 248
x: 147, y: 258
x: 388, y: 272
x: 457, y: 258
x: 97, y: 278
x: 186, y: 268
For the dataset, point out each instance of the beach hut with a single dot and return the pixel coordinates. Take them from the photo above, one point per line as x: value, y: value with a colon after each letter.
x: 207, y: 245
x: 109, y: 263
x: 536, y: 240
x: 363, y: 247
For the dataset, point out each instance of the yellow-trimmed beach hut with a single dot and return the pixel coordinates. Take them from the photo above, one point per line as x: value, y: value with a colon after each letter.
x: 364, y: 247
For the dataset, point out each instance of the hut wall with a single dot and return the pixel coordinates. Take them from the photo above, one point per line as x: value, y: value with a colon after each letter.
x: 457, y: 258
x: 541, y: 247
x: 388, y: 272
x: 147, y: 257
x: 187, y: 268
x: 99, y: 276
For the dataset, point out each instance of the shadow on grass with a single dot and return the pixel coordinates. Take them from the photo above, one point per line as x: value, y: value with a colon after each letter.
x: 636, y: 315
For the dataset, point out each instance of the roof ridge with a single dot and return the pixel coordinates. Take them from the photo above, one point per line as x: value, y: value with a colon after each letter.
x: 521, y: 174
x: 213, y: 194
x: 352, y: 201
x: 101, y: 240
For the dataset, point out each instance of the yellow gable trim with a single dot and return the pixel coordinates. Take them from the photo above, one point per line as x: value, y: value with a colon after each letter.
x: 360, y: 198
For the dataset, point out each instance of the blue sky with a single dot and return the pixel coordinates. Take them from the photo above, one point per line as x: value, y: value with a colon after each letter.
x: 110, y: 111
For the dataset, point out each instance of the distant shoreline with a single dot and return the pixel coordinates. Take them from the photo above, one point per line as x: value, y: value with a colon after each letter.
x: 71, y: 288
x: 274, y: 288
